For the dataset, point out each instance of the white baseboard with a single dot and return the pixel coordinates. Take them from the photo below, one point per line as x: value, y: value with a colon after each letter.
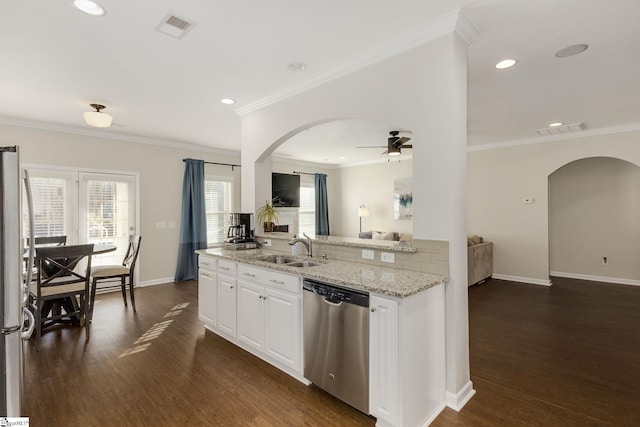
x: 541, y: 282
x: 433, y: 416
x: 155, y: 282
x: 604, y: 279
x: 458, y: 400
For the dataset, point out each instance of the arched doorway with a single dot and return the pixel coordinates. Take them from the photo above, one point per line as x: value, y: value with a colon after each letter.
x: 594, y: 220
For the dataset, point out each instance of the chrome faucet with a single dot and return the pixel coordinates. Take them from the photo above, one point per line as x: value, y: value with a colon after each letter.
x: 306, y: 242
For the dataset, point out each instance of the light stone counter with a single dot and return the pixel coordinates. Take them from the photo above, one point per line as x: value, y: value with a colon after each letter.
x: 370, y: 278
x: 353, y: 242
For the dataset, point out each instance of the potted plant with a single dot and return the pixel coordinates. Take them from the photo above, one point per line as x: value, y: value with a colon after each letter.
x: 267, y: 215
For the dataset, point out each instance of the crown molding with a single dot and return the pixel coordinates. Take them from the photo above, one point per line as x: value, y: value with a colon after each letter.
x: 632, y: 127
x: 431, y: 31
x: 466, y: 29
x: 76, y: 130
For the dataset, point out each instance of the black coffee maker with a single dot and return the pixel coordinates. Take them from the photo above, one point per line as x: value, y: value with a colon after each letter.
x: 240, y: 228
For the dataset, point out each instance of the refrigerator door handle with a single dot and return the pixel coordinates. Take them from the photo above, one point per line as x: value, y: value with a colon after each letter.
x: 26, y: 333
x: 27, y: 188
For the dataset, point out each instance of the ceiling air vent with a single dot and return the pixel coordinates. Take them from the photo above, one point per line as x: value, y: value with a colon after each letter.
x: 174, y: 26
x: 556, y: 130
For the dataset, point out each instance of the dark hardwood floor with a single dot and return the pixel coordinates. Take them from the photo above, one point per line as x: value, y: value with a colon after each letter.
x: 560, y: 356
x: 567, y: 355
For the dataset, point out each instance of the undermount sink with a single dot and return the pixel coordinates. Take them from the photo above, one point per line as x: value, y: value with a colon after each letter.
x: 287, y: 261
x: 278, y: 259
x: 302, y: 264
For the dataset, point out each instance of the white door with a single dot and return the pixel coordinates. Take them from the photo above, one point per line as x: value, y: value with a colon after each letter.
x: 107, y: 212
x: 282, y: 327
x: 251, y: 314
x: 227, y: 304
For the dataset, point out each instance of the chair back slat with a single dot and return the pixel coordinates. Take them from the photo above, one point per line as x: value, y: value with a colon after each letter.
x: 50, y: 241
x: 57, y: 264
x: 132, y: 252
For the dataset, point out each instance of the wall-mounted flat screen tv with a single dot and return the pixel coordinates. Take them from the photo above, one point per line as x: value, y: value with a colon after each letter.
x: 285, y: 189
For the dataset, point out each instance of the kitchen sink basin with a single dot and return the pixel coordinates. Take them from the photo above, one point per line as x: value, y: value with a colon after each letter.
x: 278, y: 259
x: 302, y: 264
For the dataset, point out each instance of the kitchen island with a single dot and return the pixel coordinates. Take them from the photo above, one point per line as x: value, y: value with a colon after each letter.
x: 256, y: 303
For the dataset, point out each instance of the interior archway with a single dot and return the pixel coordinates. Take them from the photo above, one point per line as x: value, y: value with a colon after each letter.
x: 594, y: 220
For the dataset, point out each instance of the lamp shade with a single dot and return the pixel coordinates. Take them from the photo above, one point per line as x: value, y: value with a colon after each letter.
x: 96, y: 118
x: 363, y: 211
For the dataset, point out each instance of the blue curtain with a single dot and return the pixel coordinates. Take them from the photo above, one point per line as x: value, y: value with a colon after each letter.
x: 322, y: 207
x: 193, y: 224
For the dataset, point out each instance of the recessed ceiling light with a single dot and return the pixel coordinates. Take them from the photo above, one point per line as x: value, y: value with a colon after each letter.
x: 227, y: 101
x: 297, y: 66
x: 506, y: 63
x: 571, y: 50
x: 89, y: 7
x: 556, y: 124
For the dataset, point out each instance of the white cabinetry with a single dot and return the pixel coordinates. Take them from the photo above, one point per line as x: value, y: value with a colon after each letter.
x: 269, y: 314
x: 207, y: 290
x: 383, y: 358
x: 407, y: 358
x: 227, y: 297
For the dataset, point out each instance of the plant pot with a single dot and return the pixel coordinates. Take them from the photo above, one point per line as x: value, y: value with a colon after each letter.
x: 268, y: 227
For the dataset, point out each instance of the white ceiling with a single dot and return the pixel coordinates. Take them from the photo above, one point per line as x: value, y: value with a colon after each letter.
x: 56, y: 60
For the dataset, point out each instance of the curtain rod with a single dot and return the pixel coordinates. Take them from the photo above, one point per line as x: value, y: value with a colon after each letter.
x: 303, y: 173
x: 221, y: 164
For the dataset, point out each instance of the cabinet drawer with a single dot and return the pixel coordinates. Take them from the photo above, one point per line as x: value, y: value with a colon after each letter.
x: 270, y: 278
x: 207, y: 263
x: 227, y: 267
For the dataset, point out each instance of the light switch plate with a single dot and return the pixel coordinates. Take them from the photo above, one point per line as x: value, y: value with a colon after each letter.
x: 388, y: 257
x: 367, y: 254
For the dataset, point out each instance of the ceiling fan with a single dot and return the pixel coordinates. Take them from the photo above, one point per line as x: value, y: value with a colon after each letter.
x: 395, y: 143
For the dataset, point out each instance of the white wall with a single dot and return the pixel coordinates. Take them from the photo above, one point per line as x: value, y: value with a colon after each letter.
x: 594, y: 212
x: 371, y: 185
x: 160, y: 170
x: 499, y: 179
x: 422, y: 89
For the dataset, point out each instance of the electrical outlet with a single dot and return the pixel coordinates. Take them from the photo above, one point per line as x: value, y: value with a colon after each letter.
x: 172, y: 224
x: 161, y: 225
x: 388, y: 257
x: 267, y: 242
x: 367, y: 254
x: 528, y: 200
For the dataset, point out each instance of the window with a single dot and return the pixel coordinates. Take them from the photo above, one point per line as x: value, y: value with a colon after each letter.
x: 307, y: 211
x: 86, y: 207
x: 218, y: 200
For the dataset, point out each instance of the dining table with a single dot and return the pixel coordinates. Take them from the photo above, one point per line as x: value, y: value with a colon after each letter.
x: 68, y: 304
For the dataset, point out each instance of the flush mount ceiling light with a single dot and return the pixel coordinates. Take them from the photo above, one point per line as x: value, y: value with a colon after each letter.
x: 227, y: 101
x: 89, y: 7
x: 506, y: 63
x: 555, y: 124
x: 297, y: 66
x: 96, y: 118
x: 572, y: 50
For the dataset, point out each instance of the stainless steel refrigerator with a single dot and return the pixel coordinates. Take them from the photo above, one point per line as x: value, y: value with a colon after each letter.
x: 13, y: 291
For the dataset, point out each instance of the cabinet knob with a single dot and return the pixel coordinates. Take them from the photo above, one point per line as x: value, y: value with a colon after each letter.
x: 373, y: 309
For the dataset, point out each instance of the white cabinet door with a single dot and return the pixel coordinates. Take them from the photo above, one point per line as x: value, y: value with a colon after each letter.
x: 251, y: 314
x: 227, y: 304
x: 383, y: 359
x: 207, y: 297
x: 282, y: 327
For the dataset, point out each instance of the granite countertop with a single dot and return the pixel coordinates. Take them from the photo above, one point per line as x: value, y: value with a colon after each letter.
x: 370, y: 278
x: 388, y: 245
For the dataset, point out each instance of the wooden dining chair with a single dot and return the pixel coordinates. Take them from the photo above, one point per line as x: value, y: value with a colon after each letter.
x: 72, y: 265
x: 123, y: 273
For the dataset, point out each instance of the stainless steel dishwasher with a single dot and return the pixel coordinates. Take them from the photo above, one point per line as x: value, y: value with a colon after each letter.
x: 336, y: 341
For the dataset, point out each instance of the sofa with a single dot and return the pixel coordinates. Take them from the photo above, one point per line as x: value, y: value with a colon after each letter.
x: 379, y: 235
x: 479, y: 259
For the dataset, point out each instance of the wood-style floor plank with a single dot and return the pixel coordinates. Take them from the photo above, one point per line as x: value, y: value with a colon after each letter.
x: 568, y: 355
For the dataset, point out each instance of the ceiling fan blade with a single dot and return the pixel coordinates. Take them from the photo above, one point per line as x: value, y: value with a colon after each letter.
x: 407, y: 146
x: 373, y: 146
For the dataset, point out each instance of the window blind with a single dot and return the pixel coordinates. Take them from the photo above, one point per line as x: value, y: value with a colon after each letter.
x: 218, y: 197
